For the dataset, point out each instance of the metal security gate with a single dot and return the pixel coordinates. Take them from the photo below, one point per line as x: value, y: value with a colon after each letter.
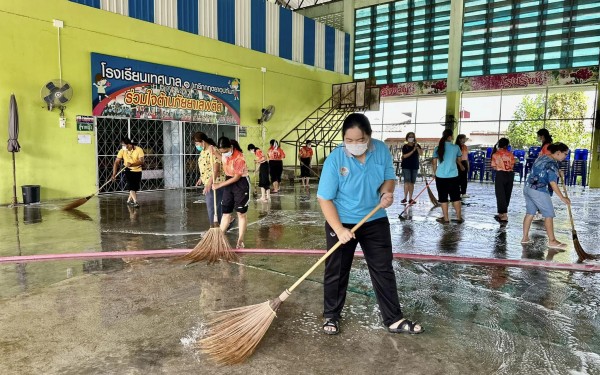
x: 171, y: 160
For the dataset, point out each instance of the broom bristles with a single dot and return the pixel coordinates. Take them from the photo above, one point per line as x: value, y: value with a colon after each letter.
x: 75, y: 204
x: 213, y: 247
x: 582, y: 254
x: 234, y: 334
x: 432, y: 198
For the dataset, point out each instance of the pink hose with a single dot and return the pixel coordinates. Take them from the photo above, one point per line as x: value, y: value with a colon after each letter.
x: 415, y: 257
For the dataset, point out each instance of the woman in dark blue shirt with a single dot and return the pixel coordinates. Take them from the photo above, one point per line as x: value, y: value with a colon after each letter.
x: 410, y: 166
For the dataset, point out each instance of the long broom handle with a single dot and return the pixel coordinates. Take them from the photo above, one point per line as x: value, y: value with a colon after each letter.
x: 214, y: 177
x: 562, y: 180
x: 421, y: 192
x: 287, y: 292
x: 107, y: 182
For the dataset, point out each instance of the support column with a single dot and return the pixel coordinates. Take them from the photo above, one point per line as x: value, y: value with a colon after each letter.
x: 349, y: 28
x: 594, y: 180
x: 454, y: 52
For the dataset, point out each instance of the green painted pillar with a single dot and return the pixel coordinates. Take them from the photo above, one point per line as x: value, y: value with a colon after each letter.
x: 594, y: 180
x: 454, y: 52
x: 349, y: 28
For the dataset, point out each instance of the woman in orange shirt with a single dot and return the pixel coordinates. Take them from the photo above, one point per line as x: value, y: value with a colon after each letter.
x: 503, y: 162
x: 305, y: 154
x: 276, y: 156
x: 546, y: 139
x: 263, y: 173
x: 236, y: 187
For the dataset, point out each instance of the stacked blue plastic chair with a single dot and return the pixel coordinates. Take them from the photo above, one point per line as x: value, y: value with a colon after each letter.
x: 565, y: 167
x: 533, y: 153
x: 519, y: 163
x: 471, y: 157
x: 488, y: 164
x: 579, y: 167
x: 478, y: 164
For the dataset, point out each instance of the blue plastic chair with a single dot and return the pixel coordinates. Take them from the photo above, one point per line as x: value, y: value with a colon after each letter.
x: 478, y: 165
x: 533, y: 154
x: 565, y: 167
x: 519, y: 163
x: 579, y: 166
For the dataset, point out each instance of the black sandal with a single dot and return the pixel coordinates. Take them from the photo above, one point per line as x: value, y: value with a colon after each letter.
x: 406, y: 326
x: 330, y: 322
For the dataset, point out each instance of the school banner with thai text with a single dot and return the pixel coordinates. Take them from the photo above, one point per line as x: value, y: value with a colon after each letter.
x: 137, y: 89
x: 559, y: 77
x: 414, y: 88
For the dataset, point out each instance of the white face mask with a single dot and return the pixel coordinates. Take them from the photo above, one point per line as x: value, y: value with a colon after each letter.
x: 411, y: 140
x: 124, y: 148
x: 357, y: 149
x: 228, y: 154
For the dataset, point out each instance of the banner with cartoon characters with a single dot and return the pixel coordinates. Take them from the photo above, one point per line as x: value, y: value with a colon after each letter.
x: 560, y: 77
x: 137, y: 89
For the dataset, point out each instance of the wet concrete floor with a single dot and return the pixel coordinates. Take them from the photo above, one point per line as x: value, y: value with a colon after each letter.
x: 129, y: 316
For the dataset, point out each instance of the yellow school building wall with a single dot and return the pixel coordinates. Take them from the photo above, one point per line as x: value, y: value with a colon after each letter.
x: 51, y: 156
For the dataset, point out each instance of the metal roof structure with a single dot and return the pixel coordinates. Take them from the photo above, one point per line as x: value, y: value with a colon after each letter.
x: 300, y: 4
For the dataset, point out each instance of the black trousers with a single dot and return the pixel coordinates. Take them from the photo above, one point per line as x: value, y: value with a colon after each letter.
x: 305, y: 167
x: 263, y: 176
x: 463, y: 177
x: 275, y: 170
x: 504, y: 185
x: 375, y: 239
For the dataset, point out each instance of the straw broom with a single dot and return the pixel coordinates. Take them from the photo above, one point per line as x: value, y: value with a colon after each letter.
x: 432, y: 198
x: 214, y: 245
x: 582, y: 255
x: 81, y: 201
x: 421, y: 192
x: 234, y: 334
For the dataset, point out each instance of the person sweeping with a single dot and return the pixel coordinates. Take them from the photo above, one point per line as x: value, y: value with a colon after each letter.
x: 411, y: 151
x: 538, y: 189
x: 358, y: 176
x: 446, y: 164
x: 276, y: 156
x: 207, y: 163
x: 236, y: 187
x: 132, y: 157
x: 305, y: 155
x: 263, y: 173
x: 503, y: 162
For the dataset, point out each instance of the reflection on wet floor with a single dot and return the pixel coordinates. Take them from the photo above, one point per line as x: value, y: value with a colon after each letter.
x: 478, y: 319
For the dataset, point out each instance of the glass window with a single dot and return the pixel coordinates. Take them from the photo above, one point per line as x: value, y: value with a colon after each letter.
x: 402, y: 34
x: 520, y: 36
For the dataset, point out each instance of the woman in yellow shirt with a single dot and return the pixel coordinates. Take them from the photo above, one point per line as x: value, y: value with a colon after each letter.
x: 209, y: 165
x: 133, y: 160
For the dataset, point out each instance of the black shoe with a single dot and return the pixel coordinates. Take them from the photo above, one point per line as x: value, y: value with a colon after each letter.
x: 135, y: 205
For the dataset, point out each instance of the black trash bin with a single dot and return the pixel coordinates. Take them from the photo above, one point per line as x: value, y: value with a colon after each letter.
x: 31, y: 194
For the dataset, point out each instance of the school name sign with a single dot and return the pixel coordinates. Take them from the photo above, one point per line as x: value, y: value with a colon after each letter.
x: 137, y: 89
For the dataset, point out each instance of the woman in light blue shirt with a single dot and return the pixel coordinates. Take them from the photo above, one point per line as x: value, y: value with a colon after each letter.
x: 356, y: 177
x: 446, y: 163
